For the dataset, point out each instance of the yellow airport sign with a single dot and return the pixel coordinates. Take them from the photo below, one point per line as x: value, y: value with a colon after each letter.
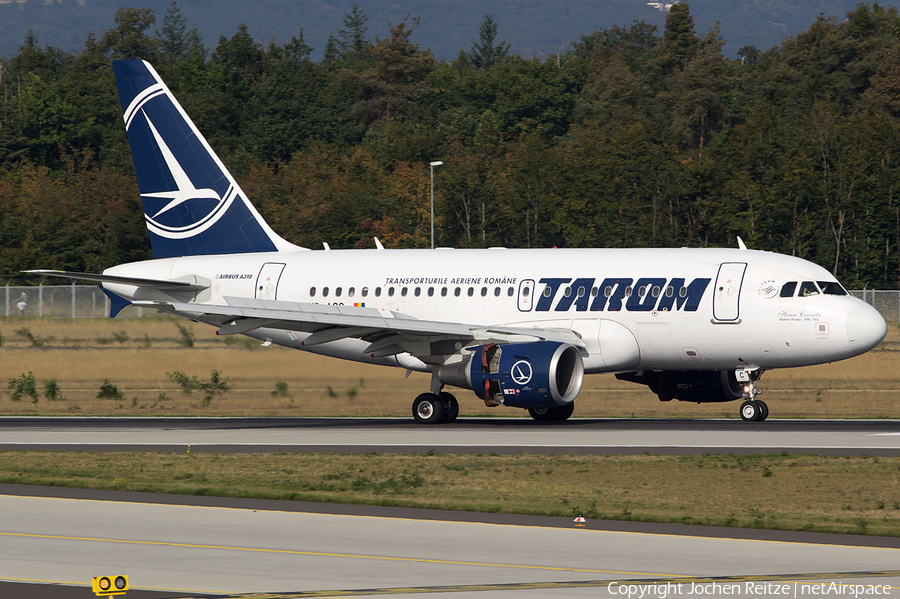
x: 107, y: 586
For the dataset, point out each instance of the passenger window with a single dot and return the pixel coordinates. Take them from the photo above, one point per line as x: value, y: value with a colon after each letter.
x: 568, y: 291
x: 787, y: 290
x: 351, y: 292
x: 607, y: 292
x: 656, y: 292
x: 628, y: 291
x: 391, y: 291
x: 443, y: 292
x: 378, y: 292
x: 324, y: 291
x: 581, y: 292
x: 418, y: 292
x: 496, y: 292
x: 594, y: 292
x: 831, y: 288
x: 337, y: 292
x: 312, y: 292
x: 365, y: 291
x: 511, y: 291
x: 682, y: 292
x: 525, y: 291
x: 642, y: 291
x: 547, y: 291
x: 471, y: 291
x: 484, y: 292
x: 404, y: 291
x: 430, y: 291
x: 456, y: 291
x: 808, y: 288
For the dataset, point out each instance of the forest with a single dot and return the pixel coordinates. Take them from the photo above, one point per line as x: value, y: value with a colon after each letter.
x: 630, y: 137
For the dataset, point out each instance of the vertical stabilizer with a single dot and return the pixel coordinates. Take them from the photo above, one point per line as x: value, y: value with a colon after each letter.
x: 192, y: 204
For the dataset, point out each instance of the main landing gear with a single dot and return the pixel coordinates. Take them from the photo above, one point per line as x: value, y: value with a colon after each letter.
x: 552, y: 413
x: 435, y: 408
x: 752, y: 410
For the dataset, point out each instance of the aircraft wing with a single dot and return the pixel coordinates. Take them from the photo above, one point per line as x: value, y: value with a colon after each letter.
x: 387, y: 333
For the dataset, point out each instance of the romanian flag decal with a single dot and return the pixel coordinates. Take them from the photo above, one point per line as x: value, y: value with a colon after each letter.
x: 360, y: 304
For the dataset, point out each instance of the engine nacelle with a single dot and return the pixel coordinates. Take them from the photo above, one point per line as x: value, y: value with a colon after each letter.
x: 522, y: 375
x: 700, y: 386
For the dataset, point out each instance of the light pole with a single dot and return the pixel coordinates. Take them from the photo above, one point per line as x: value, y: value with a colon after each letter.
x: 433, y: 164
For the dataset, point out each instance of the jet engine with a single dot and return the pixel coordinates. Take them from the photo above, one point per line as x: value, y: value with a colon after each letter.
x: 700, y: 386
x: 521, y: 375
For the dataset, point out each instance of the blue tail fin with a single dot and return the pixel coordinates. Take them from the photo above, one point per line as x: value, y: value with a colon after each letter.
x: 192, y: 204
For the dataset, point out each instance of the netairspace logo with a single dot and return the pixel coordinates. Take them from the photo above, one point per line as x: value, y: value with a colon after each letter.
x: 793, y: 589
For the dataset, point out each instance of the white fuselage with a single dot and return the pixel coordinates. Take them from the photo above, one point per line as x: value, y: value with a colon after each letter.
x: 686, y: 309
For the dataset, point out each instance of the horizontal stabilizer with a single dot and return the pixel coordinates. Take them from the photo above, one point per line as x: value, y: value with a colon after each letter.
x: 183, y: 284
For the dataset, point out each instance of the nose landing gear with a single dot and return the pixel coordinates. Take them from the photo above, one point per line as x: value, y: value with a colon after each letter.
x: 752, y: 410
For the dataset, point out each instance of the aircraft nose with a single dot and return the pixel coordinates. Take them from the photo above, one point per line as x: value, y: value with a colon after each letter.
x: 865, y: 328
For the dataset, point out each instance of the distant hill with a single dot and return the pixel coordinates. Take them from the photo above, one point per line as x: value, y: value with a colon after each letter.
x: 532, y: 27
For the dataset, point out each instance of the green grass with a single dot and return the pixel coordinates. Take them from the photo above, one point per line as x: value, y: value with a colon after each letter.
x: 825, y: 494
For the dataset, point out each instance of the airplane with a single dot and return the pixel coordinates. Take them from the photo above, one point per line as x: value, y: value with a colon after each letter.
x: 519, y: 327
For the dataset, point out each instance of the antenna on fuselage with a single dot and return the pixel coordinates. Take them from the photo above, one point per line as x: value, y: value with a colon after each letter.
x: 325, y: 243
x: 378, y: 245
x: 741, y: 245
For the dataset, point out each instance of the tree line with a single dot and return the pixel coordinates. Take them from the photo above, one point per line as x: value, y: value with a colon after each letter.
x: 631, y: 137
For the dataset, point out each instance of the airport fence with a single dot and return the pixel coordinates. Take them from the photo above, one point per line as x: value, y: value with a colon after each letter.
x: 88, y: 301
x: 886, y: 302
x: 60, y: 301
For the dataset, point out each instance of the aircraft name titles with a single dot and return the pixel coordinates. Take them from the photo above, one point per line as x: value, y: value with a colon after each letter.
x: 615, y: 293
x: 450, y: 281
x: 798, y: 316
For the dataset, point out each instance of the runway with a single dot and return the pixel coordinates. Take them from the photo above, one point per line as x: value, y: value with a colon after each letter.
x: 52, y: 541
x: 501, y: 435
x: 196, y: 550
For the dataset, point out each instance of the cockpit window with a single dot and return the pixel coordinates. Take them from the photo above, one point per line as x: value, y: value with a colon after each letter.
x: 787, y: 290
x: 831, y: 288
x: 808, y: 288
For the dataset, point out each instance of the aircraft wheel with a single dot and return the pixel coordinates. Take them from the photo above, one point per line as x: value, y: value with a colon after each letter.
x: 563, y: 412
x: 428, y: 408
x: 451, y: 406
x: 540, y: 414
x: 556, y: 413
x: 751, y: 411
x: 764, y: 408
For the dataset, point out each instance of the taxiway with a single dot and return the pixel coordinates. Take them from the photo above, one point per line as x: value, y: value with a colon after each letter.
x: 208, y: 550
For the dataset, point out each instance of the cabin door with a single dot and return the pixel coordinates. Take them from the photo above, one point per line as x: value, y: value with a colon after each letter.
x: 526, y: 294
x: 726, y: 300
x: 267, y: 282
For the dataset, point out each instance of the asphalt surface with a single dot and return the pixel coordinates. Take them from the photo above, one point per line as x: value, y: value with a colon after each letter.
x: 501, y: 436
x: 51, y: 546
x: 53, y: 540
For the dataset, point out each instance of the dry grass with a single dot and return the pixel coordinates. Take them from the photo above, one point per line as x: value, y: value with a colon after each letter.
x: 135, y: 355
x: 849, y: 495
